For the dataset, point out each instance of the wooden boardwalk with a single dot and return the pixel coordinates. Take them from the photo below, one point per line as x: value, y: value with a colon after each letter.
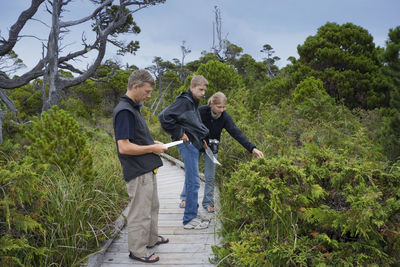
x: 186, y: 247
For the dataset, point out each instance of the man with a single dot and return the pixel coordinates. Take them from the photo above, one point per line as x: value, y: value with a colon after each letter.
x: 139, y: 157
x: 182, y: 121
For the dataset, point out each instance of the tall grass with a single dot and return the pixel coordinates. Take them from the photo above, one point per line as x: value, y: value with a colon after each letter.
x: 79, y: 215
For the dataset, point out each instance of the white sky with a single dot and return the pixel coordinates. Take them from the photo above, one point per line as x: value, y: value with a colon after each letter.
x: 249, y: 24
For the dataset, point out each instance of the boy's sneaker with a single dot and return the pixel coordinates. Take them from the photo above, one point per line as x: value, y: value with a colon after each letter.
x: 196, y: 224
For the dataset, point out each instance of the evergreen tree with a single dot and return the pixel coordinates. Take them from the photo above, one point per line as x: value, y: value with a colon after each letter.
x: 57, y: 140
x: 391, y: 59
x: 221, y: 77
x: 345, y: 58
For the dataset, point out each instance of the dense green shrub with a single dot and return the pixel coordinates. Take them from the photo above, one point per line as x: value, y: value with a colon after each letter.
x: 311, y: 98
x: 58, y: 141
x: 22, y: 200
x: 389, y: 133
x: 345, y: 58
x: 324, y: 195
x: 315, y: 208
x: 221, y: 77
x: 28, y: 99
x: 55, y: 217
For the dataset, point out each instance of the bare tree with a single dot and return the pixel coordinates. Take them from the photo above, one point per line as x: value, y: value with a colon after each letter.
x: 6, y: 46
x: 219, y: 43
x: 185, y: 50
x: 159, y: 69
x: 9, y: 61
x: 108, y: 21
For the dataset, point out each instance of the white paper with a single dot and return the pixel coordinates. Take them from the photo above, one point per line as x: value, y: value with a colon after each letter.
x: 173, y: 143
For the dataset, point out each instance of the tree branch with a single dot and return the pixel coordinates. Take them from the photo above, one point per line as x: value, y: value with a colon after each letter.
x: 7, y: 46
x: 34, y: 73
x: 102, y: 40
x: 32, y: 36
x: 9, y: 103
x: 81, y: 52
x: 70, y: 67
x: 68, y: 82
x: 42, y: 22
x: 106, y: 79
x: 79, y: 21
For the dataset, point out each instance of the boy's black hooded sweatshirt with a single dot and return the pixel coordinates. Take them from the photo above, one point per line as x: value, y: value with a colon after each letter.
x: 183, y: 116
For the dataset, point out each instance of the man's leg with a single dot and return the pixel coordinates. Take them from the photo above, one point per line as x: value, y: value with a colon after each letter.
x: 140, y: 191
x: 155, y: 206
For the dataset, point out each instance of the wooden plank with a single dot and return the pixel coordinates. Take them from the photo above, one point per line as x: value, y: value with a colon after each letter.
x: 186, y: 247
x: 165, y: 258
x: 170, y: 247
x: 182, y: 239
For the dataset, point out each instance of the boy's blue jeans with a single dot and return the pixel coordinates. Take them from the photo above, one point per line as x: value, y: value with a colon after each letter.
x: 209, y: 174
x: 190, y: 157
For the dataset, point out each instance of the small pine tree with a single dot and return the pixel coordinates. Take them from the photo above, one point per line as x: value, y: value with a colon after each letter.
x: 58, y: 141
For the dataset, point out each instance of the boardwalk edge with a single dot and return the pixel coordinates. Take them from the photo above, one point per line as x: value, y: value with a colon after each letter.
x: 95, y: 259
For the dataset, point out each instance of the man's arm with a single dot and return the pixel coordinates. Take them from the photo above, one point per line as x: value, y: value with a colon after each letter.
x: 126, y: 147
x: 124, y: 131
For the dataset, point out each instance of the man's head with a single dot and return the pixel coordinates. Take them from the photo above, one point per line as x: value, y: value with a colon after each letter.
x: 198, y: 86
x: 140, y: 86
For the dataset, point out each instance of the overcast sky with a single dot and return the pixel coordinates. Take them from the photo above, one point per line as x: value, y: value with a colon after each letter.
x: 249, y: 24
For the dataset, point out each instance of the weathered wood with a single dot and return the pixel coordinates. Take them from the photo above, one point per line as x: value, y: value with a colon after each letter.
x: 165, y: 258
x: 186, y: 247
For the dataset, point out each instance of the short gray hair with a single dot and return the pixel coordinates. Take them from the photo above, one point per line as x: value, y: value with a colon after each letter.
x: 140, y: 77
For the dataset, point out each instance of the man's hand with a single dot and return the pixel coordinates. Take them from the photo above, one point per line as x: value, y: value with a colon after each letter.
x: 258, y: 153
x: 158, y: 147
x: 184, y: 138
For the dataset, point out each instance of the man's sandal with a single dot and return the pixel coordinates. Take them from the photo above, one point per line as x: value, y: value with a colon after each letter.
x: 161, y: 240
x: 146, y: 259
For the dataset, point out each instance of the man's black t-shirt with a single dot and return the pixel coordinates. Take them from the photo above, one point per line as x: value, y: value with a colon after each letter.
x: 124, y: 126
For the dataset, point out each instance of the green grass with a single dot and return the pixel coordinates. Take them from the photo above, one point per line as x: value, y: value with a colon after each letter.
x: 80, y: 215
x: 75, y: 214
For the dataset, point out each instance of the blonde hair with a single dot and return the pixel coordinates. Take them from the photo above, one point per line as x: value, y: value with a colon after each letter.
x: 198, y: 80
x: 140, y: 77
x: 218, y: 98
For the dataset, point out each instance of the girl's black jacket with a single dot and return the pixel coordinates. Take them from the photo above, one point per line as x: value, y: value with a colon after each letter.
x: 225, y: 121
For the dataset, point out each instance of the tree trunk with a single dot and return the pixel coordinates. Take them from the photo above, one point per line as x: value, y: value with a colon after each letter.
x: 10, y: 104
x: 52, y: 54
x: 1, y: 125
x: 160, y: 89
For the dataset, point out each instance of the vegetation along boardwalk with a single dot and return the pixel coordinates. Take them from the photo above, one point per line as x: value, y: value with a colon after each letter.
x: 186, y: 247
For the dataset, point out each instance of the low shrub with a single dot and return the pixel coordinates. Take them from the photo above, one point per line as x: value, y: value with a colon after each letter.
x: 315, y: 208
